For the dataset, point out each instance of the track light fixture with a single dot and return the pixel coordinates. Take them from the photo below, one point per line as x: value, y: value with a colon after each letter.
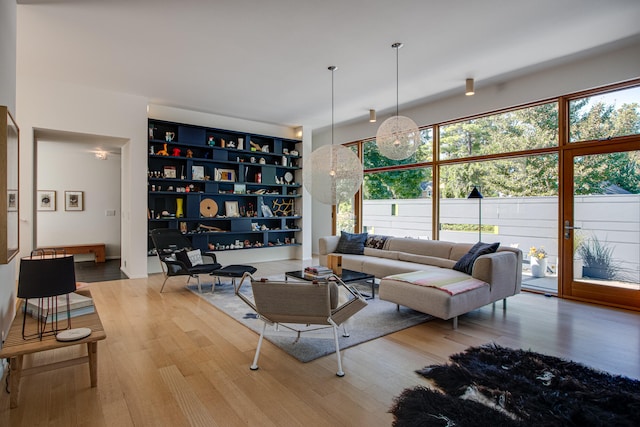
x: 469, y: 88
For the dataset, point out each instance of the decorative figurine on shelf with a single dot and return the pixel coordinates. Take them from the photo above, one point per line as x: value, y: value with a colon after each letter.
x: 240, y: 143
x: 223, y: 143
x: 163, y: 152
x: 176, y: 152
x: 254, y: 146
x: 168, y: 136
x: 211, y: 142
x: 231, y: 144
x: 189, y: 154
x: 265, y: 148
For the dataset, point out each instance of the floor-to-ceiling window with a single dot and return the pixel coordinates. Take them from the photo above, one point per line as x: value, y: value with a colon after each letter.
x: 518, y: 160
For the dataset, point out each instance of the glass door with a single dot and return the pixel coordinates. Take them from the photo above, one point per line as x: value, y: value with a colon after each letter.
x: 601, y: 224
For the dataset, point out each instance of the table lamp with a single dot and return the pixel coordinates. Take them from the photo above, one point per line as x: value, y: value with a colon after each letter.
x: 45, y: 277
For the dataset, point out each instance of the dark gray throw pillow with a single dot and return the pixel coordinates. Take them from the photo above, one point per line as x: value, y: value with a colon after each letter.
x: 351, y: 243
x: 465, y: 264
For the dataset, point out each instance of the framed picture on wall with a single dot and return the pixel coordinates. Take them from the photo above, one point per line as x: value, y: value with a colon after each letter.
x: 73, y: 200
x: 46, y: 200
x: 12, y: 200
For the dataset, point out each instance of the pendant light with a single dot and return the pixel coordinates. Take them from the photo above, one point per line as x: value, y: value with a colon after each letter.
x: 398, y: 137
x: 333, y: 173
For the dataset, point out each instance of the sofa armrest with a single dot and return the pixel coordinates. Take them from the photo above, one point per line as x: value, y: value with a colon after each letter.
x: 502, y: 271
x: 327, y: 245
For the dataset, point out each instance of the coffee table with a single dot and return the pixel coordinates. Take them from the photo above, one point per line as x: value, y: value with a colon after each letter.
x: 347, y: 276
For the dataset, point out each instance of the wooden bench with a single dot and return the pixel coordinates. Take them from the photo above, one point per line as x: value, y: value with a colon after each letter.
x: 98, y: 249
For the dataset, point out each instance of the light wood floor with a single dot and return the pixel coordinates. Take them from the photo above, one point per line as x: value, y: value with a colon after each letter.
x: 171, y: 359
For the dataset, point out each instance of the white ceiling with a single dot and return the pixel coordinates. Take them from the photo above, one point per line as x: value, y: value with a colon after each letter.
x: 266, y: 60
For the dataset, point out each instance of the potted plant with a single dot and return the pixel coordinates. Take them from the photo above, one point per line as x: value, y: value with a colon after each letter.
x: 538, y: 261
x: 598, y: 260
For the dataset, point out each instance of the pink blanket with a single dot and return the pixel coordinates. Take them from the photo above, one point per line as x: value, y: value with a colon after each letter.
x: 441, y: 278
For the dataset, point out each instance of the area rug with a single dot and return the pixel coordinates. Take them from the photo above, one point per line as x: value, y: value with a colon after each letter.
x: 493, y: 385
x: 377, y: 319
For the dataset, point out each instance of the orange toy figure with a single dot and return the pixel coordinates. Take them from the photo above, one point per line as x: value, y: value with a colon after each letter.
x: 176, y: 152
x: 189, y: 154
x: 163, y: 152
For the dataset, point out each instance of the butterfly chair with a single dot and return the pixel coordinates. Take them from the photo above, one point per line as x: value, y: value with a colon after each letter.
x: 306, y: 303
x: 177, y: 257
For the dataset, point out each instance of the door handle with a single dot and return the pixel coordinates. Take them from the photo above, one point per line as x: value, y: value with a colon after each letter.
x: 568, y: 228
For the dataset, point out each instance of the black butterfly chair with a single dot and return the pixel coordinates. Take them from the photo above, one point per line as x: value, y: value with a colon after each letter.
x: 172, y: 248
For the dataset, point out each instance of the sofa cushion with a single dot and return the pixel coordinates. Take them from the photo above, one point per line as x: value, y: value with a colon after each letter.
x: 380, y: 253
x: 426, y: 259
x: 190, y: 258
x: 376, y: 241
x: 435, y: 248
x: 465, y: 264
x: 351, y: 243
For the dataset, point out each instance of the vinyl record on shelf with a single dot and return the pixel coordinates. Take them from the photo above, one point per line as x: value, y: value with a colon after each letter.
x: 208, y: 208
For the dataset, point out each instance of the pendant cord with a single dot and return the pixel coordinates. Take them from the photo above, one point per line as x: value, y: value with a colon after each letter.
x: 332, y: 96
x: 397, y: 80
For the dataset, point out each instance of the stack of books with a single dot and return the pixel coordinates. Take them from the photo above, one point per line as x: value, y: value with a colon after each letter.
x: 46, y: 309
x: 317, y: 272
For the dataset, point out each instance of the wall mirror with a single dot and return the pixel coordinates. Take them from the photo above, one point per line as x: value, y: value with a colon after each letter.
x: 9, y: 196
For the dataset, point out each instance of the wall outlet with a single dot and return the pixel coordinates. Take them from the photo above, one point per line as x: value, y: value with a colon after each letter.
x: 110, y: 212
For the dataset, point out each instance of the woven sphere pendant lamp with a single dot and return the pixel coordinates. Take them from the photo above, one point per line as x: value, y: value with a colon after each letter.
x: 398, y: 137
x: 333, y: 173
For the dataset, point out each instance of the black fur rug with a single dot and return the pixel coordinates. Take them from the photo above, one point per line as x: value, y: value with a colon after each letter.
x: 497, y: 386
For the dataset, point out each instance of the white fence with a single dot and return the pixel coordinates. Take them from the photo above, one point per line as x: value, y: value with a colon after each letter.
x: 520, y: 221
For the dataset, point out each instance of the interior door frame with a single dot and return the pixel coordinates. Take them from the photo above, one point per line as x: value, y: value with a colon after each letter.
x: 583, y: 290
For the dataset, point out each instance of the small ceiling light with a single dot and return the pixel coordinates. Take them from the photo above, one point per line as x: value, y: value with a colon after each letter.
x: 102, y: 155
x: 469, y: 88
x: 372, y: 116
x: 398, y: 137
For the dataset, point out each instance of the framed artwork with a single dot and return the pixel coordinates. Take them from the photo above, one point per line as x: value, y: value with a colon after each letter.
x: 239, y: 188
x: 225, y: 175
x: 12, y: 200
x: 197, y: 173
x: 46, y: 200
x: 74, y: 200
x: 231, y: 209
x: 170, y: 172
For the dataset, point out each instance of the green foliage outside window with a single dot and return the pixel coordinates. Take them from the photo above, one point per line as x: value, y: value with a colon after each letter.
x: 511, y: 132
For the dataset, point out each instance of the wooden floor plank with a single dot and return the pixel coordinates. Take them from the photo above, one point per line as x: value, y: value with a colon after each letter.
x: 172, y: 359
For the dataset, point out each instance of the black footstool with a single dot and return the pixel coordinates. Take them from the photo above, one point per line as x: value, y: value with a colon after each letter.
x: 234, y: 271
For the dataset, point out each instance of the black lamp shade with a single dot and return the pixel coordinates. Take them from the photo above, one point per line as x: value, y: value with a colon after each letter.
x: 46, y: 277
x: 475, y: 193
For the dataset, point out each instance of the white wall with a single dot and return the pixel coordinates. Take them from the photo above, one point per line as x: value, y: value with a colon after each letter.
x: 73, y: 167
x: 584, y: 73
x: 8, y: 98
x: 53, y: 106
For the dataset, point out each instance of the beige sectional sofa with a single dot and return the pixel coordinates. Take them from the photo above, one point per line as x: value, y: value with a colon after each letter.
x: 493, y: 277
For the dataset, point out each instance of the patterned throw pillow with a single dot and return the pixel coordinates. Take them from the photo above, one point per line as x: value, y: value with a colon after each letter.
x: 376, y: 241
x: 189, y: 258
x: 465, y: 264
x: 351, y: 243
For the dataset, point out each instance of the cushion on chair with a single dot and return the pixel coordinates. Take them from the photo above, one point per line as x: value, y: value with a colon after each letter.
x: 190, y: 258
x: 350, y: 243
x: 465, y: 264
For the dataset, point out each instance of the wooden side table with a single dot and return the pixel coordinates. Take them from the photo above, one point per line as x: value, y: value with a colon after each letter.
x: 15, y: 348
